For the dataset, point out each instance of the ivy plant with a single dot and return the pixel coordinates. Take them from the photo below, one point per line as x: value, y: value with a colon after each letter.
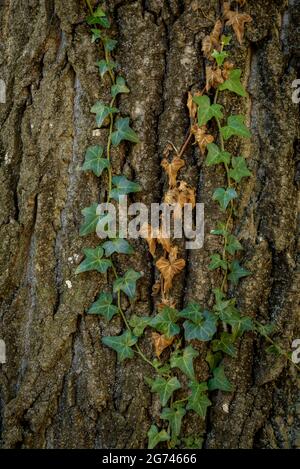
x: 175, y: 332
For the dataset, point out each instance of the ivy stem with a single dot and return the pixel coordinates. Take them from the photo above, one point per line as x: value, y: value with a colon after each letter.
x: 119, y: 302
x: 231, y: 202
x: 108, y: 150
x: 282, y: 352
x: 181, y: 400
x: 184, y: 146
x: 89, y: 6
x: 138, y: 350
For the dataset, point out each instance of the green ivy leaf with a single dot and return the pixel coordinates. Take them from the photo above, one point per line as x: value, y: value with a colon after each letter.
x: 233, y: 83
x: 119, y: 87
x: 225, y: 344
x: 192, y: 312
x: 106, y: 66
x: 155, y: 437
x: 222, y: 304
x: 102, y: 20
x: 109, y: 44
x: 207, y: 111
x: 220, y: 231
x: 93, y: 261
x: 219, y: 57
x: 174, y: 417
x: 122, y: 186
x: 118, y: 245
x: 184, y: 361
x: 127, y: 283
x: 96, y: 34
x: 239, y: 324
x: 94, y: 161
x: 123, y: 132
x: 216, y: 262
x: 265, y: 329
x: 213, y: 359
x: 219, y: 381
x: 193, y: 442
x: 235, y: 126
x: 203, y: 329
x: 240, y: 169
x: 165, y: 388
x: 102, y: 112
x: 121, y: 344
x: 226, y: 40
x: 104, y: 306
x: 233, y: 245
x: 165, y: 322
x: 198, y: 401
x: 224, y: 196
x: 99, y: 12
x: 274, y: 350
x: 216, y: 156
x: 91, y: 218
x: 139, y: 324
x: 237, y: 272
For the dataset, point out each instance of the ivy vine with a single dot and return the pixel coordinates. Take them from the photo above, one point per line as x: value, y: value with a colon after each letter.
x: 224, y: 324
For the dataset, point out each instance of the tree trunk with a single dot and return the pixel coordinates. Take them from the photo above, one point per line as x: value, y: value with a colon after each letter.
x: 60, y: 387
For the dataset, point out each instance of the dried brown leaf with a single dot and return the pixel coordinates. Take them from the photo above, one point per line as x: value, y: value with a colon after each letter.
x: 201, y: 137
x: 172, y: 169
x: 161, y: 342
x: 213, y: 40
x: 216, y: 33
x: 236, y: 20
x: 169, y: 269
x: 167, y: 150
x: 213, y: 77
x: 207, y: 46
x: 192, y: 107
x: 186, y: 194
x: 147, y: 233
x: 164, y: 240
x: 227, y: 67
x: 167, y: 302
x: 156, y: 288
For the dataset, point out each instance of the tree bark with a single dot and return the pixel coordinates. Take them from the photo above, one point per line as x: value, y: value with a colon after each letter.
x: 60, y: 387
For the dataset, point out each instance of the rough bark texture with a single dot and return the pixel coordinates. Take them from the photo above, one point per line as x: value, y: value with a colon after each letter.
x: 60, y: 388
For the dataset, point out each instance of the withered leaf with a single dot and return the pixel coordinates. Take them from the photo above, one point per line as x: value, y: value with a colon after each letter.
x: 147, y: 233
x: 236, y: 20
x: 161, y: 342
x: 214, y: 77
x: 168, y: 270
x: 201, y: 137
x: 164, y: 240
x: 227, y: 67
x: 213, y: 40
x: 156, y: 288
x: 186, y: 194
x: 171, y: 197
x: 192, y: 107
x: 172, y: 169
x: 167, y: 302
